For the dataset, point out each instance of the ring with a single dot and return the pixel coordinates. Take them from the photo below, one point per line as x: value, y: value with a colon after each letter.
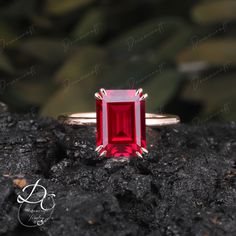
x: 121, y: 122
x: 89, y: 119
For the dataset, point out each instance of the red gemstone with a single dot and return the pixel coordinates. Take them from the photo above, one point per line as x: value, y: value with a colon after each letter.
x: 121, y: 130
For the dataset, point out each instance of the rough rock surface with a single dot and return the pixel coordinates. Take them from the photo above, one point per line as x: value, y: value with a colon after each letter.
x: 186, y: 185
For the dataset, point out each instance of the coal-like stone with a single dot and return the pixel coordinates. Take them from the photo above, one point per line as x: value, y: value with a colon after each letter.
x: 186, y: 185
x: 8, y: 206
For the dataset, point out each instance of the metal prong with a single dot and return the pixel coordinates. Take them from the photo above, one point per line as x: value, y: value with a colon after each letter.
x: 144, y: 150
x: 98, y: 96
x: 143, y: 97
x: 139, y: 154
x: 103, y: 153
x: 103, y: 91
x: 140, y: 90
x: 98, y: 148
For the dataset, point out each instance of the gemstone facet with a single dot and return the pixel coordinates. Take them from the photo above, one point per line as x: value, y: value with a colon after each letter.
x: 121, y: 130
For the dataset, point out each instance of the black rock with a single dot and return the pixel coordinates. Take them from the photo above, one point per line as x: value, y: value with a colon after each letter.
x: 186, y: 185
x: 8, y: 206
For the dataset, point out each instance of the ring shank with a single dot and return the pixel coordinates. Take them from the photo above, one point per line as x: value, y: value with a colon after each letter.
x: 89, y: 118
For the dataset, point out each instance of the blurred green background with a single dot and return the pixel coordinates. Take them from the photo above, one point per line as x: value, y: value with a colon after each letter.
x: 55, y: 54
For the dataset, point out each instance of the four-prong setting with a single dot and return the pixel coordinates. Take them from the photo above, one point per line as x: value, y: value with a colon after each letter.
x: 98, y: 148
x: 139, y: 91
x: 121, y: 129
x: 144, y: 150
x: 139, y: 154
x: 98, y: 96
x: 103, y: 153
x: 103, y: 92
x: 144, y: 96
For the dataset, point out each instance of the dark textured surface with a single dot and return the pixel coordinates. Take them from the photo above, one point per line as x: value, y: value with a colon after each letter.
x: 185, y: 186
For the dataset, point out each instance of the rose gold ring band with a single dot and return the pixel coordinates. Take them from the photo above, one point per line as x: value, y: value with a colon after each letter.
x: 89, y: 119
